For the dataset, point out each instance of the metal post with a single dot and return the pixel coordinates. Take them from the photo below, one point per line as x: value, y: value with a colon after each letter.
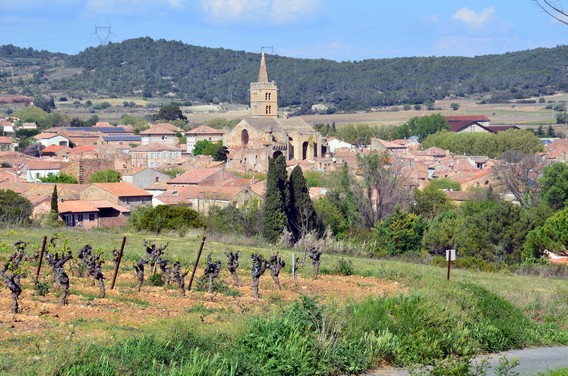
x: 196, y: 263
x: 118, y: 263
x: 41, y: 256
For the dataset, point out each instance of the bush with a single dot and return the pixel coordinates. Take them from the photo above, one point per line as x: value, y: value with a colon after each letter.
x: 344, y: 267
x: 165, y: 217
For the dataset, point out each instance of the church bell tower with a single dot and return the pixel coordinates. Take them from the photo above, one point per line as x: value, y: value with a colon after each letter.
x: 263, y: 94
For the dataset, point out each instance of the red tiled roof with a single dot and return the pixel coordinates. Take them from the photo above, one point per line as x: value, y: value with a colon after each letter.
x: 194, y: 176
x: 53, y: 149
x: 500, y: 128
x: 159, y: 129
x: 557, y: 148
x: 76, y: 206
x: 45, y: 165
x: 45, y: 136
x: 6, y: 140
x: 123, y: 189
x: 205, y: 129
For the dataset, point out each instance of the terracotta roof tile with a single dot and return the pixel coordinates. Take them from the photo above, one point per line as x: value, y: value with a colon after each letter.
x: 194, y: 176
x: 159, y: 129
x: 205, y: 129
x: 123, y: 189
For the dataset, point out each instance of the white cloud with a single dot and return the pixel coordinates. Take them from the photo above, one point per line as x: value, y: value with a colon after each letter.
x: 278, y: 11
x: 293, y: 10
x: 472, y: 18
x: 129, y: 6
x: 234, y: 9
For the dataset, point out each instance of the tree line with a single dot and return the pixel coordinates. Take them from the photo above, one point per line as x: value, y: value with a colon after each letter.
x: 157, y: 67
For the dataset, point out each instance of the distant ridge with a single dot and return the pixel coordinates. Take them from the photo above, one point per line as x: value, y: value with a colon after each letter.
x: 159, y: 67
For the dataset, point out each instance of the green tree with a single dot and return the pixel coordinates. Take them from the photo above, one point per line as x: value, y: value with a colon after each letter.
x: 14, y: 209
x: 427, y: 125
x: 301, y: 213
x: 550, y: 132
x: 169, y: 113
x: 274, y: 210
x: 105, y: 176
x: 331, y: 216
x: 554, y: 185
x: 54, y: 200
x: 431, y: 202
x: 551, y: 236
x: 399, y: 233
x: 58, y: 178
x: 455, y: 106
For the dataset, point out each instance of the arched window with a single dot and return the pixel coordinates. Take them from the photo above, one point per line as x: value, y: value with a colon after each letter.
x: 244, y: 137
x: 268, y: 110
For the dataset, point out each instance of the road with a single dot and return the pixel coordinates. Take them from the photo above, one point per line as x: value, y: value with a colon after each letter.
x: 531, y: 361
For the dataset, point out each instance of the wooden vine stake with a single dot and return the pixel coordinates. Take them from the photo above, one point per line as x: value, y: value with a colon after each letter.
x: 117, y: 264
x: 196, y: 263
x: 40, y: 257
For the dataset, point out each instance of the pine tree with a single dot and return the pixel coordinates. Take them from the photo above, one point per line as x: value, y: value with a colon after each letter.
x: 301, y: 213
x: 550, y: 132
x: 54, y: 199
x: 274, y: 214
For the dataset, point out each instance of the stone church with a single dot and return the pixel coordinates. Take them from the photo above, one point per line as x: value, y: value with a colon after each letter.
x: 264, y: 134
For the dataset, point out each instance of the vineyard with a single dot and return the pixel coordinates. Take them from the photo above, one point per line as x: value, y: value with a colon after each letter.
x: 353, y: 313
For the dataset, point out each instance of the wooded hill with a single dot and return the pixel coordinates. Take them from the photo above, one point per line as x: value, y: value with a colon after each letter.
x: 155, y: 68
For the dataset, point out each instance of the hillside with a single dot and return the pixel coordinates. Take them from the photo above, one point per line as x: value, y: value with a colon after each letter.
x: 158, y: 68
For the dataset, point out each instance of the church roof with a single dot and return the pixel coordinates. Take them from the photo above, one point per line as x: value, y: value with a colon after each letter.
x: 280, y: 124
x: 262, y: 73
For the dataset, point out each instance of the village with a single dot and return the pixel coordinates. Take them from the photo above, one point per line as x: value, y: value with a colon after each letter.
x: 146, y: 160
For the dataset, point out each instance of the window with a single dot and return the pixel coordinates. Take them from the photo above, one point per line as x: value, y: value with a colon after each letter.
x: 267, y: 96
x: 91, y: 216
x: 268, y: 110
x: 80, y: 217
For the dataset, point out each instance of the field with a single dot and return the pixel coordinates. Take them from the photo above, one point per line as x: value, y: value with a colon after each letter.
x: 49, y: 331
x: 520, y: 114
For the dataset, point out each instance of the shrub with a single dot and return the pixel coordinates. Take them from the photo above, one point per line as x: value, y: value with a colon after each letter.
x: 344, y: 267
x: 165, y: 217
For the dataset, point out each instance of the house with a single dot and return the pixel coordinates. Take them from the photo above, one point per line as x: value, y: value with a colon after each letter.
x: 154, y: 154
x: 56, y: 151
x: 202, y: 198
x: 201, y: 133
x: 48, y: 139
x: 391, y: 147
x: 7, y: 144
x: 202, y: 177
x: 159, y: 133
x: 479, y: 119
x: 143, y: 177
x: 123, y: 194
x: 37, y: 169
x: 91, y: 214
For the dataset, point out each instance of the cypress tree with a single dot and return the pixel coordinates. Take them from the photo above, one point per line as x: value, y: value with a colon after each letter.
x: 301, y: 213
x: 274, y: 214
x: 54, y: 199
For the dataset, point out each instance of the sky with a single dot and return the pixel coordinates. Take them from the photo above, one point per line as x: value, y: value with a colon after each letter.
x: 342, y: 30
